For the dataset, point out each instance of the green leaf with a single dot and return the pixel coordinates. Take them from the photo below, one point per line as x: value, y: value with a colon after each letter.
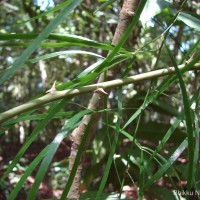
x: 141, y: 176
x: 190, y: 51
x: 166, y: 108
x: 188, y: 19
x: 191, y: 21
x: 189, y: 123
x: 166, y: 137
x: 52, y: 55
x: 27, y: 173
x: 33, y: 135
x: 114, y: 145
x: 89, y: 69
x: 197, y: 137
x: 165, y: 161
x: 36, y: 117
x: 117, y: 59
x: 167, y: 165
x: 159, y: 90
x: 66, y: 129
x: 35, y: 44
x: 163, y: 193
x: 104, y: 5
x: 64, y: 40
x: 123, y: 39
x: 58, y: 7
x: 152, y: 8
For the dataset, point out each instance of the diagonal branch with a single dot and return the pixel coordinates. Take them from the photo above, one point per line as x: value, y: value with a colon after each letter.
x: 57, y: 95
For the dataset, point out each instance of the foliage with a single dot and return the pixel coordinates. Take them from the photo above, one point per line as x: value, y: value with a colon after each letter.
x: 146, y: 144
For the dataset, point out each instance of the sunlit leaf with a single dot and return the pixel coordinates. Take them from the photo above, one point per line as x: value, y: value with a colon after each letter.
x: 35, y: 44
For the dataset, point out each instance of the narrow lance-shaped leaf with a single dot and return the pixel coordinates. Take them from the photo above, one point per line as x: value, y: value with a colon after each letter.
x: 113, y: 147
x: 33, y: 135
x: 167, y: 165
x: 60, y: 53
x: 188, y: 119
x: 43, y: 35
x: 62, y: 40
x: 66, y: 129
x: 58, y: 7
x: 27, y: 173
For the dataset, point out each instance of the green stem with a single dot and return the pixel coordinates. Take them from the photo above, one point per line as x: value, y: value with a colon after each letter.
x: 89, y: 88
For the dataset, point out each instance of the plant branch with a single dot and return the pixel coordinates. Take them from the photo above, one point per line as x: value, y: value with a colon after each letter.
x: 57, y: 95
x: 125, y: 26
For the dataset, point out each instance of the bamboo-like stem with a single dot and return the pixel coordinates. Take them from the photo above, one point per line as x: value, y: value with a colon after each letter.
x: 87, y: 89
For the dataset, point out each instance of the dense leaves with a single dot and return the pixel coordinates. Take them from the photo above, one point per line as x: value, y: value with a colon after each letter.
x: 146, y: 142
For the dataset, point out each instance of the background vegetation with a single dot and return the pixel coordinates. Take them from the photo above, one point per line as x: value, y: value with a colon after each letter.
x: 146, y: 142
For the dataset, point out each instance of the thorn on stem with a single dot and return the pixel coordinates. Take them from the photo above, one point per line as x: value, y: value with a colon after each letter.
x: 52, y: 90
x: 100, y: 91
x: 190, y: 59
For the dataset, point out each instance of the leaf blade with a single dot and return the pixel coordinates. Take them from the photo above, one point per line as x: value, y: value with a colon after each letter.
x: 43, y: 35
